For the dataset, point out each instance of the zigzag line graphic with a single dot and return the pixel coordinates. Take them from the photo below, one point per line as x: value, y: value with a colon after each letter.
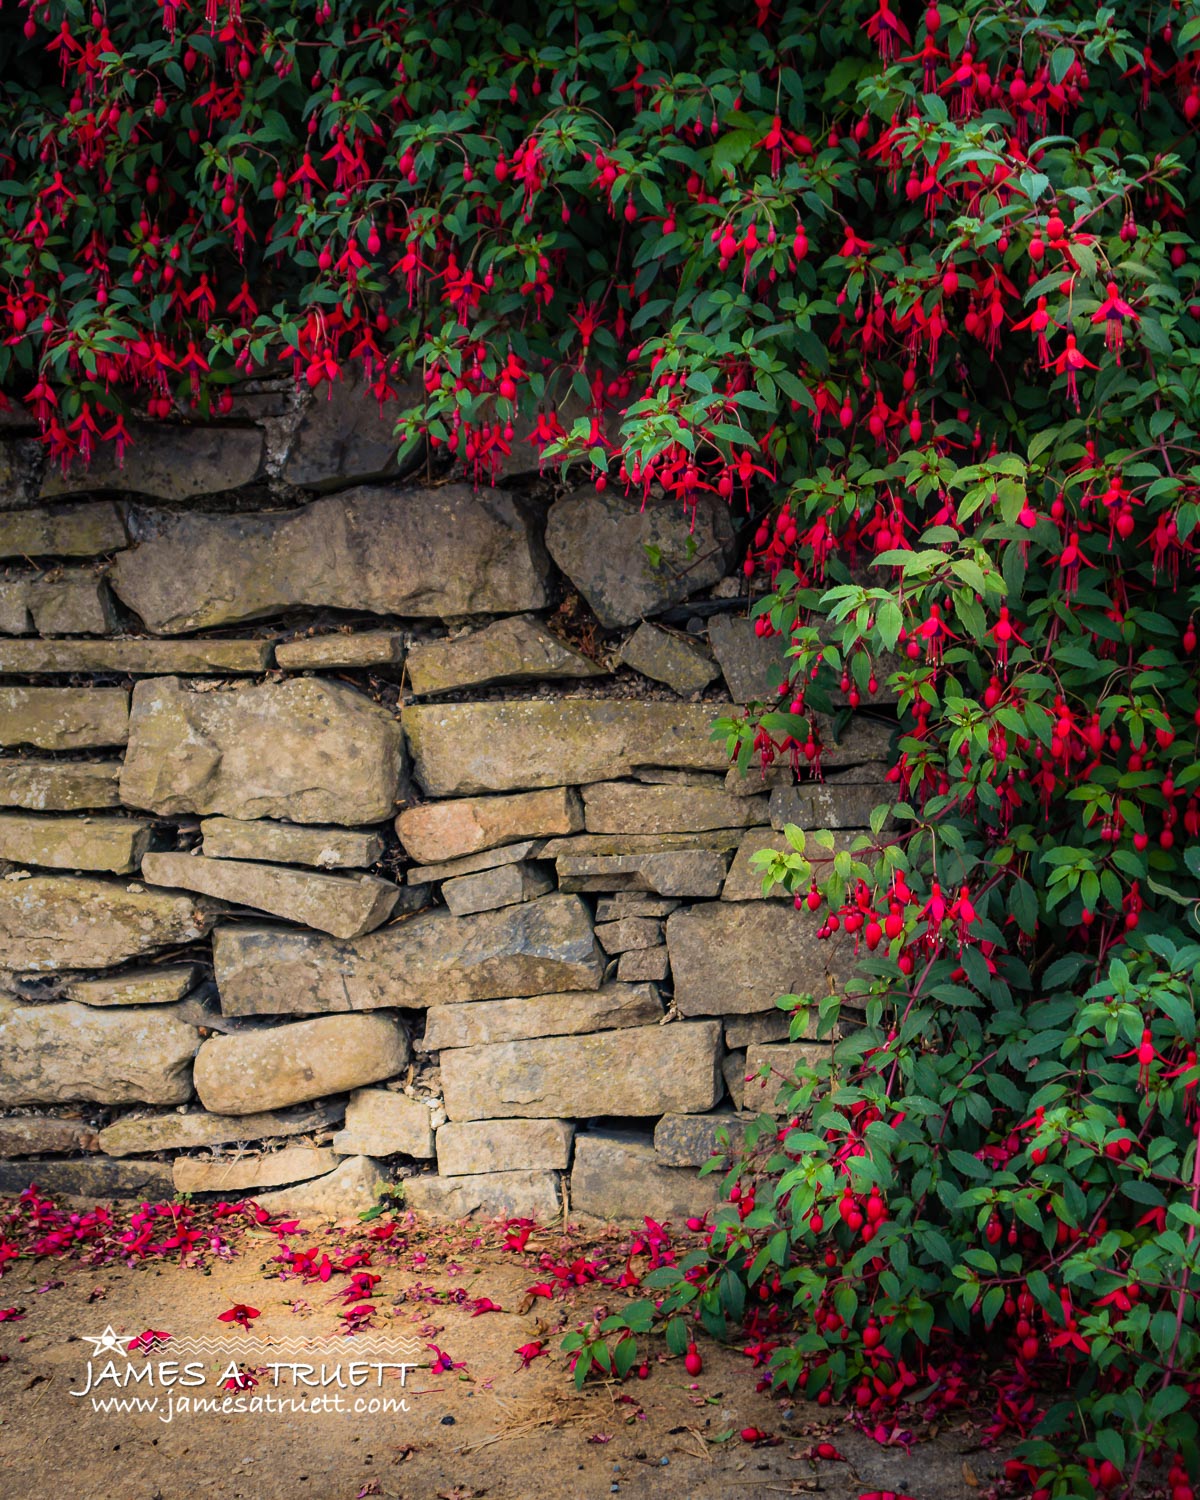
x: 351, y: 1348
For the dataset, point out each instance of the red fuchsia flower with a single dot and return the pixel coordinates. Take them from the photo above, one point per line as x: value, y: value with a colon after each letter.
x: 442, y: 1363
x: 242, y: 1381
x: 1069, y: 363
x: 1112, y: 312
x: 529, y: 1352
x: 887, y: 30
x: 11, y: 1314
x: 149, y: 1340
x: 240, y: 1314
x: 483, y: 1305
x: 516, y: 1239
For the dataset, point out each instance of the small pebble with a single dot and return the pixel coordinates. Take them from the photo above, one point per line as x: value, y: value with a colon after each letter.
x: 664, y: 1462
x: 447, y: 1420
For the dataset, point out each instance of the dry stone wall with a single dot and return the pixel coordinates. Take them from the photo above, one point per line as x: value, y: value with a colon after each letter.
x: 359, y: 829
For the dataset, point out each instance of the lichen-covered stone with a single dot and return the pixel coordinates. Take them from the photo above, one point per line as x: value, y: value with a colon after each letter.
x: 763, y: 1026
x: 342, y: 905
x: 472, y: 1024
x: 340, y: 651
x: 472, y: 864
x: 54, y: 1054
x: 135, y: 658
x: 618, y: 1175
x: 347, y: 434
x: 629, y: 559
x: 633, y: 904
x: 629, y: 933
x: 486, y: 1195
x: 538, y: 948
x: 678, y: 872
x: 626, y: 807
x: 770, y: 1067
x: 62, y: 531
x: 442, y: 552
x: 645, y: 1070
x: 637, y: 964
x: 506, y: 885
x: 678, y: 661
x: 351, y: 1190
x: 306, y: 750
x: 114, y: 845
x: 66, y: 718
x: 70, y: 601
x: 751, y: 664
x: 161, y: 986
x: 249, y: 1071
x: 745, y: 880
x: 94, y: 1179
x: 732, y: 958
x: 28, y: 1135
x: 60, y: 785
x: 691, y: 1140
x: 53, y: 922
x: 462, y: 748
x: 819, y: 804
x: 243, y: 1174
x: 514, y: 650
x: 437, y: 832
x: 468, y: 1147
x: 290, y: 843
x: 185, y: 1132
x: 167, y: 462
x: 381, y: 1122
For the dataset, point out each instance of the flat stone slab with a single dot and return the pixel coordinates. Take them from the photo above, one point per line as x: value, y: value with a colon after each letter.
x: 637, y: 964
x: 720, y: 840
x: 56, y: 1054
x: 618, y: 1175
x: 53, y: 922
x: 87, y: 530
x: 471, y: 864
x: 691, y: 1140
x: 629, y: 559
x: 68, y: 601
x: 539, y: 948
x: 351, y: 1190
x: 629, y: 933
x: 366, y: 648
x: 752, y: 665
x: 25, y: 1135
x: 341, y: 905
x: 176, y: 1132
x: 487, y: 1195
x: 677, y: 661
x: 290, y: 843
x: 347, y: 433
x: 144, y: 658
x: 416, y: 552
x: 52, y: 718
x: 626, y: 807
x: 439, y: 832
x: 506, y: 885
x: 682, y: 872
x: 168, y: 461
x: 94, y: 1178
x: 764, y: 1026
x: 233, y: 1174
x: 463, y: 748
x: 115, y: 845
x: 646, y: 1070
x: 823, y: 804
x: 305, y: 750
x: 518, y: 649
x: 732, y: 958
x: 475, y: 1023
x: 382, y: 1122
x: 633, y: 904
x: 770, y: 1067
x: 60, y: 785
x: 161, y: 986
x: 249, y: 1071
x: 471, y: 1147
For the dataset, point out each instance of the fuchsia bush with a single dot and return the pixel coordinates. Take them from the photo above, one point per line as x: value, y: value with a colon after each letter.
x: 915, y: 290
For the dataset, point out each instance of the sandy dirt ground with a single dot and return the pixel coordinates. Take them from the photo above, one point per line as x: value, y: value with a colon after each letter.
x: 491, y: 1428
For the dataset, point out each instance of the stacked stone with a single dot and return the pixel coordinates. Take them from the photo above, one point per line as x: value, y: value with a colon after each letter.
x: 328, y: 861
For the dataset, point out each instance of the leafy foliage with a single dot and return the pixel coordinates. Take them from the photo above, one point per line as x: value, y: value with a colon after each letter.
x: 914, y: 289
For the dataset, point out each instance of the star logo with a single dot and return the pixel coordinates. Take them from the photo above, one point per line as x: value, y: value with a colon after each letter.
x: 107, y: 1343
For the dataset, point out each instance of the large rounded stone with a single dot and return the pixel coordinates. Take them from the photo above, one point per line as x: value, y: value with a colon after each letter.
x: 246, y: 1072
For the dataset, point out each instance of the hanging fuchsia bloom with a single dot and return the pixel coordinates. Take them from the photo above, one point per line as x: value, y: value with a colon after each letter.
x: 1002, y: 635
x: 1112, y: 312
x: 1037, y: 322
x: 887, y: 30
x: 1069, y: 363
